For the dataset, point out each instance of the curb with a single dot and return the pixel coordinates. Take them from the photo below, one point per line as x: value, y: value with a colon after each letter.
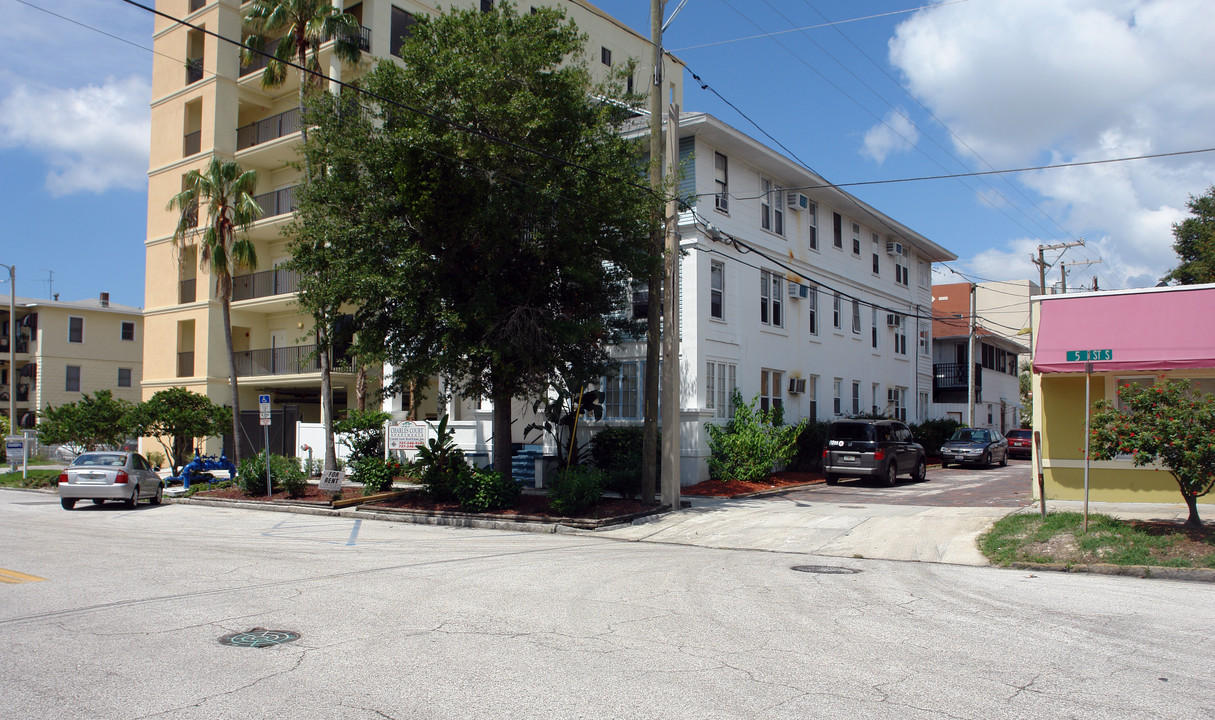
x: 1153, y: 572
x: 520, y: 523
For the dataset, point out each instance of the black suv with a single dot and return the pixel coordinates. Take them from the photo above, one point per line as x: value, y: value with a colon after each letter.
x: 882, y: 449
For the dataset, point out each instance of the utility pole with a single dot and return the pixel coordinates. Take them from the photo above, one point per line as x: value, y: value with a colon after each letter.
x: 649, y: 454
x: 970, y: 362
x: 671, y: 384
x: 1085, y: 263
x: 1043, y: 266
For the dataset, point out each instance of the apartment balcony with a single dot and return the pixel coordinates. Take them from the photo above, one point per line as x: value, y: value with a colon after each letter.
x: 191, y: 143
x: 266, y: 291
x: 194, y: 70
x: 196, y: 5
x: 272, y: 128
x: 290, y: 83
x: 269, y: 144
x: 23, y: 395
x: 277, y: 202
x: 952, y: 377
x: 259, y: 62
x: 185, y: 364
x: 187, y: 291
x: 294, y: 360
x: 22, y: 347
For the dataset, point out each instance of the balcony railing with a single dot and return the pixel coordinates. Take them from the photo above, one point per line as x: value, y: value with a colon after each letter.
x: 295, y: 360
x: 266, y: 283
x: 196, y: 4
x: 276, y: 202
x: 185, y: 364
x: 257, y: 62
x: 194, y: 70
x: 186, y: 291
x: 269, y: 129
x: 364, y: 39
x: 191, y: 143
x: 952, y: 376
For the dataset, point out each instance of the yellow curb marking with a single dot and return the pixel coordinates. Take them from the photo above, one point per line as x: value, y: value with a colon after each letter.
x: 12, y: 577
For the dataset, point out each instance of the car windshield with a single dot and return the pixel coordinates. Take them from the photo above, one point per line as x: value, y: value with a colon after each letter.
x: 969, y: 435
x: 101, y: 459
x: 1023, y: 434
x: 852, y: 431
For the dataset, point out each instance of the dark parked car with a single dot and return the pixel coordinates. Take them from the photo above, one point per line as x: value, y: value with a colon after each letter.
x: 882, y: 449
x: 100, y: 476
x: 975, y: 446
x: 1020, y: 443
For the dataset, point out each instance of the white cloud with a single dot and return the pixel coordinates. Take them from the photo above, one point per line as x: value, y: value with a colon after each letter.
x: 895, y: 133
x: 94, y: 138
x: 1048, y: 81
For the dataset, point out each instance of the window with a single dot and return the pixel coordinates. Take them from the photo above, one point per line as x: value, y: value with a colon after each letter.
x: 876, y: 389
x: 717, y: 289
x: 894, y: 403
x: 487, y: 5
x: 900, y: 335
x: 877, y: 266
x: 900, y: 273
x: 837, y: 225
x: 771, y: 287
x: 812, y: 308
x: 1123, y: 382
x: 856, y: 398
x: 402, y: 25
x: 73, y: 379
x: 856, y: 239
x: 605, y: 56
x: 128, y: 331
x: 769, y: 389
x: 812, y: 221
x: 720, y: 380
x: 838, y: 386
x: 812, y: 396
x: 623, y: 393
x: 922, y: 409
x: 75, y: 329
x: 124, y: 377
x: 721, y: 178
x: 856, y: 316
x: 836, y: 317
x: 873, y: 340
x: 924, y: 344
x: 765, y: 203
x: 925, y: 275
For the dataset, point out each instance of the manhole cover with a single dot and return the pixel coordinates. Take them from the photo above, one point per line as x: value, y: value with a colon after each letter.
x: 825, y: 569
x: 257, y: 638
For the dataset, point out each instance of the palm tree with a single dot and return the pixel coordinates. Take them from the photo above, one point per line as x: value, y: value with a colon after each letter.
x: 304, y: 25
x: 227, y: 193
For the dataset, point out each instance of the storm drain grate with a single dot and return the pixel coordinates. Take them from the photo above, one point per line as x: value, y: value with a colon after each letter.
x: 259, y: 637
x: 825, y: 569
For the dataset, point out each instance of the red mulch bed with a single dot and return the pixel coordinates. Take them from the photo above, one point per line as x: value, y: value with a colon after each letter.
x: 312, y: 495
x: 731, y: 488
x: 529, y: 504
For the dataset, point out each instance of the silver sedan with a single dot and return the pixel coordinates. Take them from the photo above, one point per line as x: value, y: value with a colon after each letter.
x: 101, y: 476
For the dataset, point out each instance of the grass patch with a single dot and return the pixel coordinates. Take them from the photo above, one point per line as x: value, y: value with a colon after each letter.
x: 1061, y: 539
x: 36, y: 479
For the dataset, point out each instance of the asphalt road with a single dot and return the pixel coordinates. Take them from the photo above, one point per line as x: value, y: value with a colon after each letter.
x: 120, y: 615
x: 968, y: 486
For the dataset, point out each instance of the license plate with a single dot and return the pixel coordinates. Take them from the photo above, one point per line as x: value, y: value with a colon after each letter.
x: 848, y: 458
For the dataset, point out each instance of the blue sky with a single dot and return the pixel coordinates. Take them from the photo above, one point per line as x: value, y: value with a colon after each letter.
x: 895, y: 89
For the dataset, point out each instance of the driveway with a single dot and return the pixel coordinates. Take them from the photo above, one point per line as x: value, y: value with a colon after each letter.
x: 936, y: 520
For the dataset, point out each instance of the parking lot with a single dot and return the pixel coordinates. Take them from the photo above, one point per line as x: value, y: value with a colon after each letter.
x: 949, y: 487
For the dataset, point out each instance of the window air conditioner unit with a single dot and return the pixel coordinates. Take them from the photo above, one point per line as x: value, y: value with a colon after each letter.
x: 894, y: 248
x: 797, y: 385
x: 894, y: 320
x: 797, y: 290
x: 797, y: 201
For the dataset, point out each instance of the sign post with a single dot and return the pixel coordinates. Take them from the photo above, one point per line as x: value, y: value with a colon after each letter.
x: 1088, y: 411
x: 263, y: 417
x: 14, y: 445
x: 1041, y: 478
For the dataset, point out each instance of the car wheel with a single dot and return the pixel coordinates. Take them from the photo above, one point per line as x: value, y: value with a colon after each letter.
x: 67, y: 503
x: 892, y: 472
x: 160, y: 493
x: 921, y: 470
x: 99, y: 501
x: 1004, y: 460
x: 832, y: 478
x: 944, y: 464
x: 134, y: 499
x: 985, y: 461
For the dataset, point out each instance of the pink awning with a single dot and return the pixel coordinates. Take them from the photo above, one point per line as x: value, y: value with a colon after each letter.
x: 1157, y: 330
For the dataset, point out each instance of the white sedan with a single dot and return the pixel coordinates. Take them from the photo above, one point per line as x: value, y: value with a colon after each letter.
x: 101, y: 476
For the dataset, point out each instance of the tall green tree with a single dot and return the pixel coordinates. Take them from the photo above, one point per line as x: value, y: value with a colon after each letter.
x: 304, y: 25
x: 1194, y: 242
x: 502, y: 268
x: 176, y: 417
x: 226, y: 190
x: 1169, y: 423
x: 90, y: 423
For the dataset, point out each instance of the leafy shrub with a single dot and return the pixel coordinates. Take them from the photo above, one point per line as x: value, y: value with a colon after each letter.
x: 440, y: 464
x: 575, y: 489
x: 932, y: 434
x: 364, y: 433
x: 753, y: 442
x: 617, y: 452
x: 810, y: 443
x: 482, y: 490
x: 285, y: 473
x: 154, y: 458
x: 375, y: 473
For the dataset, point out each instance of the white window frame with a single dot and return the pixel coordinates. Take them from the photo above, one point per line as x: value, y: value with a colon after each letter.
x: 69, y: 333
x: 900, y: 336
x: 771, y: 299
x: 874, y: 330
x: 895, y: 403
x: 721, y: 378
x: 856, y: 316
x: 721, y: 181
x: 812, y: 396
x: 622, y: 400
x: 838, y: 387
x: 856, y: 397
x: 856, y: 239
x: 812, y: 308
x: 771, y: 393
x: 812, y: 223
x: 837, y: 317
x: 717, y: 275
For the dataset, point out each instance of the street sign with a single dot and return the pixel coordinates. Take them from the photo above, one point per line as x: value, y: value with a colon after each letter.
x: 407, y: 435
x: 14, y: 444
x: 331, y: 482
x: 1089, y: 355
x: 263, y: 409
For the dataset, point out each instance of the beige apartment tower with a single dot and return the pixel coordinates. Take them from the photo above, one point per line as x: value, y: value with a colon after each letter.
x: 205, y: 103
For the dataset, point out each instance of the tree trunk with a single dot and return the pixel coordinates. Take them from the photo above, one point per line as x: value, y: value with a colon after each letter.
x: 360, y: 388
x: 1191, y: 502
x: 649, y: 447
x: 225, y: 302
x: 502, y: 433
x: 322, y: 349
